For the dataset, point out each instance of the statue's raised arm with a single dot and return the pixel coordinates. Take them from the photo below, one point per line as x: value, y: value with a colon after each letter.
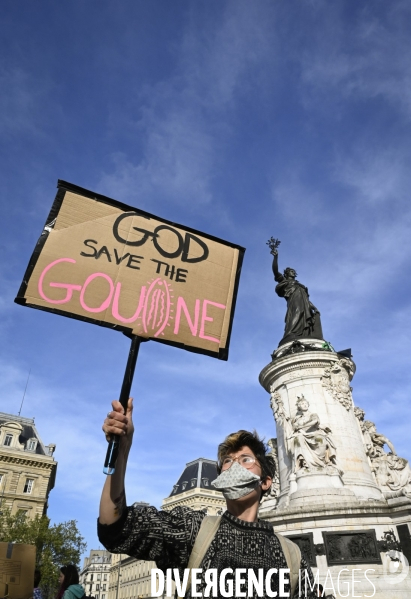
x: 273, y: 245
x: 277, y: 275
x: 302, y: 319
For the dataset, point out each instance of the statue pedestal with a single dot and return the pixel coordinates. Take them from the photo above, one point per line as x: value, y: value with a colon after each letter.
x: 327, y: 498
x: 318, y: 481
x: 323, y: 378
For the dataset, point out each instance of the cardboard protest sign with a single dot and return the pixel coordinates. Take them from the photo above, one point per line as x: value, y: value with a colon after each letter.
x: 17, y: 562
x: 113, y: 265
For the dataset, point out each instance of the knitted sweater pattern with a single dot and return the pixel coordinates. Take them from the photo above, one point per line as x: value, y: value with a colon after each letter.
x: 167, y: 538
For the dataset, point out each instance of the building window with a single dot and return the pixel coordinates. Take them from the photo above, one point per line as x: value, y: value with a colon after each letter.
x: 97, y: 587
x: 31, y: 444
x: 175, y: 488
x: 193, y: 482
x: 104, y: 587
x: 28, y: 487
x: 105, y: 577
x: 184, y: 484
x: 103, y: 596
x: 7, y: 440
x: 1, y: 478
x: 205, y: 482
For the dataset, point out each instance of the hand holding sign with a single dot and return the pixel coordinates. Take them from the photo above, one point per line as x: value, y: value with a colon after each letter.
x: 119, y: 429
x: 114, y: 442
x: 118, y: 422
x: 104, y: 262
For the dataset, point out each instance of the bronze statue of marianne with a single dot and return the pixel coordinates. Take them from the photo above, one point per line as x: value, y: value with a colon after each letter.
x: 302, y: 319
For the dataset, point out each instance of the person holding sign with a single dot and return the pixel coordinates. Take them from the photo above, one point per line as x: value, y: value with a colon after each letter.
x: 220, y: 556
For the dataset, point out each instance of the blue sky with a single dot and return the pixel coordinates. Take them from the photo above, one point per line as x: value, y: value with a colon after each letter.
x: 243, y: 119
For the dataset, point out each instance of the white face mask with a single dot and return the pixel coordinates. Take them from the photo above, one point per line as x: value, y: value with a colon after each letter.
x: 236, y: 482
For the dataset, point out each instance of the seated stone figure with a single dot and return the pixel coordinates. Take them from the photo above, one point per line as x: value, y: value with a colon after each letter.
x: 311, y: 445
x: 392, y: 473
x: 399, y: 474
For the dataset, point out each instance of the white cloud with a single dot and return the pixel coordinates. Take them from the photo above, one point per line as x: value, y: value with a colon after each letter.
x: 305, y: 207
x: 345, y: 225
x: 368, y: 57
x: 377, y: 175
x: 186, y: 117
x: 360, y: 237
x: 20, y: 101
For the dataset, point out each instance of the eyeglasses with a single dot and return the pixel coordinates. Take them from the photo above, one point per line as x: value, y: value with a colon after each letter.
x: 246, y: 461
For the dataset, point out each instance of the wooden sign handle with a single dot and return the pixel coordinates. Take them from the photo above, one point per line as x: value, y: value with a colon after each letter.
x: 114, y: 443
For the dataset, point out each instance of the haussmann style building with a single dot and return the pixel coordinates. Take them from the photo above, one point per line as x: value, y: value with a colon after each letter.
x: 95, y: 573
x: 27, y: 466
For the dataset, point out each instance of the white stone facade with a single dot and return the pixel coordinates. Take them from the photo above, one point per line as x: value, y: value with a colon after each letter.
x: 130, y: 578
x: 27, y: 466
x: 331, y: 468
x: 95, y: 574
x: 208, y: 500
x: 303, y: 374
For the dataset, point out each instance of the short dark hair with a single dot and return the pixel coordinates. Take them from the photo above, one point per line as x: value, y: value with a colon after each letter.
x: 70, y: 575
x: 235, y: 441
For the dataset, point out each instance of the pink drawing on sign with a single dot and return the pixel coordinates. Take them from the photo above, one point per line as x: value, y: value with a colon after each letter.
x: 106, y: 302
x: 205, y: 318
x: 157, y: 307
x: 70, y: 288
x: 140, y: 306
x: 182, y: 307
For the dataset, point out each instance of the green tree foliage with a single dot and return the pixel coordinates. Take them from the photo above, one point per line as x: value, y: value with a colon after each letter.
x: 56, y: 544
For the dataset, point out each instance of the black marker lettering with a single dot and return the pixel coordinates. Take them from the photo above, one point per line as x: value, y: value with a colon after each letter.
x: 159, y: 263
x: 161, y: 250
x: 170, y: 269
x: 183, y: 245
x: 119, y: 258
x: 87, y: 243
x: 186, y: 249
x: 105, y: 251
x: 134, y: 259
x: 119, y: 238
x: 181, y: 275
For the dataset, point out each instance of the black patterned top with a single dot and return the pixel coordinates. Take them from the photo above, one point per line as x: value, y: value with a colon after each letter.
x: 167, y: 538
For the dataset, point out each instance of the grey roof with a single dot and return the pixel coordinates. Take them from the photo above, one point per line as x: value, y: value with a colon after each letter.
x: 197, y: 474
x: 29, y: 430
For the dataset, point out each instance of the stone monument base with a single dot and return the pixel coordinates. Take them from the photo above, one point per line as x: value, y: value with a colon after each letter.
x: 327, y: 527
x: 337, y: 493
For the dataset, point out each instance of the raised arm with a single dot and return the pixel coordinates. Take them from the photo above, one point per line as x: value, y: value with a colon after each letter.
x: 276, y: 272
x: 113, y: 497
